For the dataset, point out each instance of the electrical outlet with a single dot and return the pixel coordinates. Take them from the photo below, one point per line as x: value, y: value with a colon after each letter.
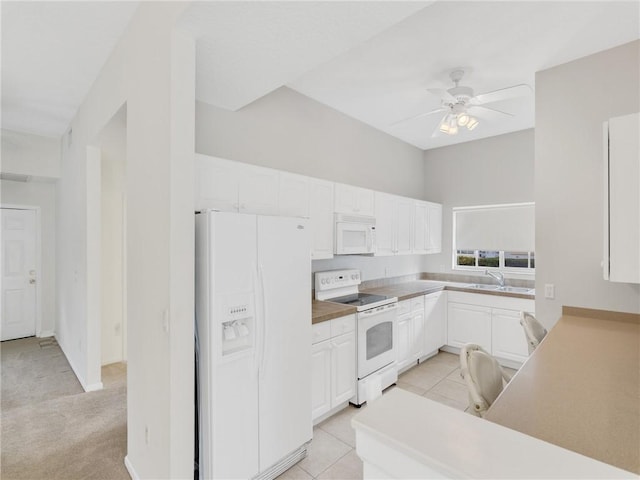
x: 549, y: 291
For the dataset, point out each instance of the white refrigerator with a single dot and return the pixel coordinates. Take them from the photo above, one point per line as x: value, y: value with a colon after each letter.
x: 253, y: 311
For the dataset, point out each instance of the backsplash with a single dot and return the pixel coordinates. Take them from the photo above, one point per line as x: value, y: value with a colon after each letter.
x: 444, y: 277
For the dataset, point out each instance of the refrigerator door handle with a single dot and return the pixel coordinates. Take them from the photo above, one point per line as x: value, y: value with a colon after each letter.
x: 263, y: 324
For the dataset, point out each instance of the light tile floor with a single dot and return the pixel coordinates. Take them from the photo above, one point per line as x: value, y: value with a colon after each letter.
x: 332, y: 452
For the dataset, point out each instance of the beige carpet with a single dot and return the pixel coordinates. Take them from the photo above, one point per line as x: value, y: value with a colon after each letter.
x: 51, y: 428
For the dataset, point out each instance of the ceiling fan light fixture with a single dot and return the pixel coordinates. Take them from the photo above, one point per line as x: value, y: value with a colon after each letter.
x: 463, y: 119
x: 472, y: 123
x: 444, y: 127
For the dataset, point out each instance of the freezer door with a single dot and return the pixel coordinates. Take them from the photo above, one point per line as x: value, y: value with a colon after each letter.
x: 226, y: 269
x: 284, y: 265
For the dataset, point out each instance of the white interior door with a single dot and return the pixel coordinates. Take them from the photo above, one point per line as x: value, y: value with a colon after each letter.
x: 18, y: 273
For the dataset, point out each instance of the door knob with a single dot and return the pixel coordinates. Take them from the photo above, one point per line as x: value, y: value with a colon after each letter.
x: 32, y: 281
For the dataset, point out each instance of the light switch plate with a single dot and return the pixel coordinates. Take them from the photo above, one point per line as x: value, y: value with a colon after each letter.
x: 549, y: 291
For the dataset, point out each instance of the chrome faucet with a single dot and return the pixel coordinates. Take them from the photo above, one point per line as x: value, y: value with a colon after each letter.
x: 498, y: 276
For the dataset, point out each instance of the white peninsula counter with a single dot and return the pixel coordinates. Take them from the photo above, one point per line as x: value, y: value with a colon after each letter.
x: 403, y: 435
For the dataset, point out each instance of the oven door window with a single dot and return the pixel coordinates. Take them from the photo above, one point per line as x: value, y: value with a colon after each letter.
x: 379, y: 339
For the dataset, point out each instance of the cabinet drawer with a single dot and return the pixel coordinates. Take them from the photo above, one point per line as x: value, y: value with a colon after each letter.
x: 417, y: 303
x: 320, y: 332
x: 404, y: 307
x: 343, y: 325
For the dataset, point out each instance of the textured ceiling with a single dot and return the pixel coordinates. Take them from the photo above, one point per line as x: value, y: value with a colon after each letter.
x: 373, y: 61
x: 52, y: 53
x: 246, y: 50
x: 499, y: 44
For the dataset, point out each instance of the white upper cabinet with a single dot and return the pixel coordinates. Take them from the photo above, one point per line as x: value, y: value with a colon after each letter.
x: 258, y: 190
x: 622, y: 199
x: 355, y: 200
x: 385, y: 224
x: 231, y: 186
x: 394, y: 224
x: 420, y: 221
x: 434, y: 227
x: 216, y: 183
x: 321, y: 218
x: 404, y: 229
x: 293, y: 195
x: 403, y: 225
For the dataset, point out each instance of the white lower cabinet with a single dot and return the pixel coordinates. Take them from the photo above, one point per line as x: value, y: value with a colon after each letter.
x: 320, y: 378
x: 469, y: 324
x: 333, y: 366
x: 507, y: 337
x: 410, y: 332
x: 435, y: 322
x: 491, y: 321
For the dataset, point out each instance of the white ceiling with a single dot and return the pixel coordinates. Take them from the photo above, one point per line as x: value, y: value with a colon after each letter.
x: 52, y: 53
x: 370, y: 60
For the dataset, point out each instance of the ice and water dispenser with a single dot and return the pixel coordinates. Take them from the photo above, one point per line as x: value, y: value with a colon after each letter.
x: 237, y: 324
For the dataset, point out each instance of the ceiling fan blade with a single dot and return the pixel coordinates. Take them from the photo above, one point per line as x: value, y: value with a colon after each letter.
x: 521, y: 90
x: 483, y: 111
x: 437, y: 110
x: 442, y: 94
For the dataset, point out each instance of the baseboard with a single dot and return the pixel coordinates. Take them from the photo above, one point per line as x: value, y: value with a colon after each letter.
x: 87, y: 388
x: 46, y: 333
x: 130, y: 469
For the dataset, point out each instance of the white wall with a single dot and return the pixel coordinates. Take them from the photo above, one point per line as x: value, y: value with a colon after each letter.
x: 289, y: 131
x: 43, y: 195
x: 28, y: 154
x: 152, y: 70
x: 113, y: 147
x: 572, y: 102
x: 490, y: 171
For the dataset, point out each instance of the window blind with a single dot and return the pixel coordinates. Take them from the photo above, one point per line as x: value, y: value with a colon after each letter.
x: 501, y: 227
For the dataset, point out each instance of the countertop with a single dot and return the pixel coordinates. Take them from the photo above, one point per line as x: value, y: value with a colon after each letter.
x: 323, y: 311
x: 580, y: 389
x: 405, y: 435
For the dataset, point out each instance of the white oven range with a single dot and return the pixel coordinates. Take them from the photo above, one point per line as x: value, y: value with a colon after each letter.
x: 376, y: 329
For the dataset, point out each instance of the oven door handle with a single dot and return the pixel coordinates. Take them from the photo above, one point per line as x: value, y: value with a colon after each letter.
x: 379, y: 310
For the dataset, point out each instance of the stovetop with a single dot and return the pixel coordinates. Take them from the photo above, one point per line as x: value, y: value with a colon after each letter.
x: 363, y: 301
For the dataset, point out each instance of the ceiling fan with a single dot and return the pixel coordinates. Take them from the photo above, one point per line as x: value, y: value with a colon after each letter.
x: 463, y: 109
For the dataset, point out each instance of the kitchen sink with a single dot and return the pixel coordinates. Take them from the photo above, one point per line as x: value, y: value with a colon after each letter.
x: 515, y: 289
x: 482, y: 286
x: 496, y: 288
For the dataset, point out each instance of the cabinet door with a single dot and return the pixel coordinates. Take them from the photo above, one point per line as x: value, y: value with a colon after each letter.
x: 405, y: 334
x: 417, y: 334
x: 404, y: 226
x: 420, y: 220
x: 350, y: 199
x: 365, y: 202
x: 320, y: 378
x: 217, y: 184
x: 385, y: 224
x: 293, y: 195
x: 258, y: 192
x: 434, y: 230
x: 507, y: 336
x: 343, y: 368
x: 468, y: 324
x: 435, y: 316
x: 321, y: 219
x: 623, y: 207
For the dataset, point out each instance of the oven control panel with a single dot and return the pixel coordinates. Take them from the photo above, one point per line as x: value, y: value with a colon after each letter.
x: 334, y: 279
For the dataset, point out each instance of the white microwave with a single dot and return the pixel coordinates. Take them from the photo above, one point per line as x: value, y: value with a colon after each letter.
x: 354, y: 234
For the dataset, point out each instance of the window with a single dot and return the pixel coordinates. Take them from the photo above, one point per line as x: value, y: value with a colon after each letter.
x: 499, y: 237
x: 523, y: 262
